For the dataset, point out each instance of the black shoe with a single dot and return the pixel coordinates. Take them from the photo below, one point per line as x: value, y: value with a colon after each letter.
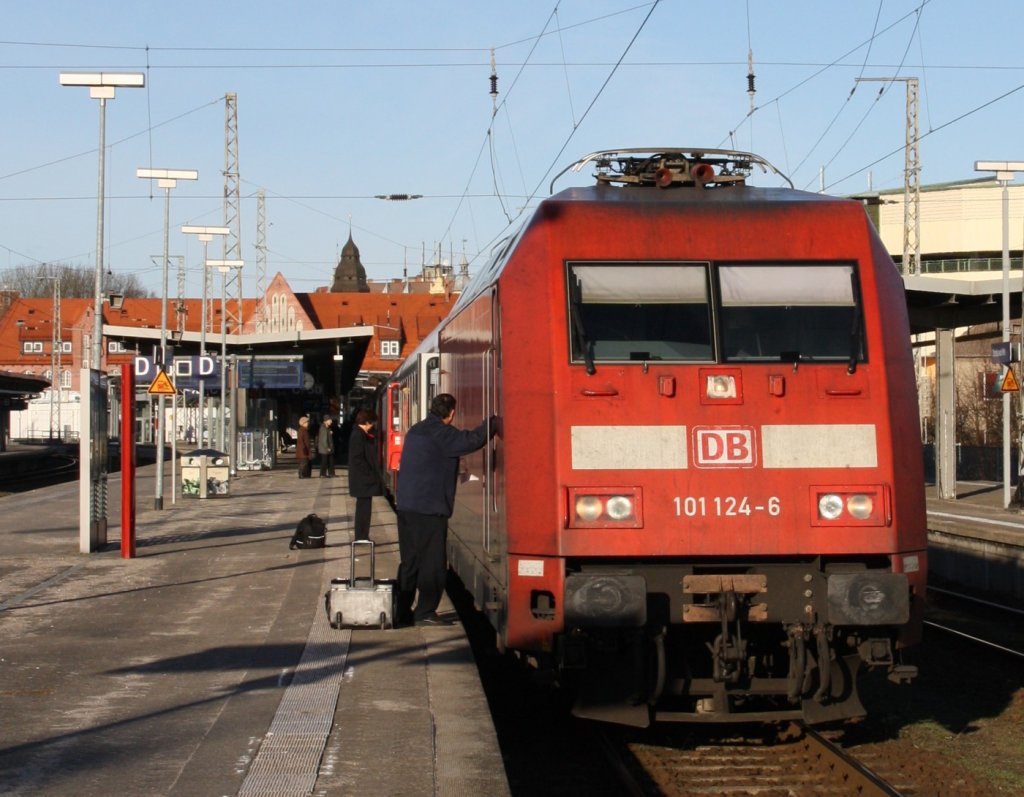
x: 433, y: 619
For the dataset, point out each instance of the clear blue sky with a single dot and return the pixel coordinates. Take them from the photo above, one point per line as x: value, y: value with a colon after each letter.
x: 339, y: 101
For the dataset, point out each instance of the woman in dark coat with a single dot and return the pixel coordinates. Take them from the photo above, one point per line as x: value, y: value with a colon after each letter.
x: 302, y: 448
x: 363, y: 475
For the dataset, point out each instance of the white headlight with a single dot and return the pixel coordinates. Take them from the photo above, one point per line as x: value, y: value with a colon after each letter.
x: 588, y: 507
x: 830, y: 506
x: 721, y: 386
x: 619, y: 507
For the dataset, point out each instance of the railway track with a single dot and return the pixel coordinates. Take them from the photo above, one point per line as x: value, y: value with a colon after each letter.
x: 792, y: 761
x: 992, y: 625
x: 916, y: 744
x: 56, y: 469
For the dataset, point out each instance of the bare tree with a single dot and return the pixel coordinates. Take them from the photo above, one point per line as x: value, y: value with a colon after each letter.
x: 979, y: 410
x: 76, y: 282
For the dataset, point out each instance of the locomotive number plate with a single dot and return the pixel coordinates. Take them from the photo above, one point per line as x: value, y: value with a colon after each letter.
x: 726, y: 506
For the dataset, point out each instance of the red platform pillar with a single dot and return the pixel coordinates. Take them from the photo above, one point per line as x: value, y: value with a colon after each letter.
x: 128, y: 461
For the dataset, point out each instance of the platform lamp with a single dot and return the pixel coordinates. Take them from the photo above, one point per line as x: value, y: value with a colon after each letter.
x: 165, y: 179
x: 205, y: 234
x: 1005, y: 172
x: 102, y: 86
x: 224, y: 266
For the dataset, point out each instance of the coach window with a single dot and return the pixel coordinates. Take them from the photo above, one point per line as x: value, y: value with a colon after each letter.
x: 790, y: 313
x: 639, y: 311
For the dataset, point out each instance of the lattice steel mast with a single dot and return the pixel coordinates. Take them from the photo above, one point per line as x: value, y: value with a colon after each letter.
x: 911, y: 177
x: 261, y: 261
x: 232, y: 216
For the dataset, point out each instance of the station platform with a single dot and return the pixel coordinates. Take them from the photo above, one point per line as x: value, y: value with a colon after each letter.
x: 975, y: 543
x: 206, y: 665
x: 976, y: 511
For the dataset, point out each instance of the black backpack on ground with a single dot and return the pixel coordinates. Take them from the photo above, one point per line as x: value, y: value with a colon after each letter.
x: 310, y: 533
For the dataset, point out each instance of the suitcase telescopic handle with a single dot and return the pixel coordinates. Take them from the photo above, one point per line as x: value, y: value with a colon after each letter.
x: 352, y: 561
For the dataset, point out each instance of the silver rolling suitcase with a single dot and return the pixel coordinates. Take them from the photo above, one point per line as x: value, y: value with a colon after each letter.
x: 363, y: 602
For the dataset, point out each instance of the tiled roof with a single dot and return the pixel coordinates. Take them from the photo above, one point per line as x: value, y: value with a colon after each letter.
x: 146, y: 313
x: 405, y: 317
x: 32, y: 320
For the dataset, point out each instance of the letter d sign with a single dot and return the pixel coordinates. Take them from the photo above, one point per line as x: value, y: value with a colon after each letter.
x: 145, y: 369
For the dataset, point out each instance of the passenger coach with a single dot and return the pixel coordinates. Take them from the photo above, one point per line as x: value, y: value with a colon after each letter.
x: 705, y: 500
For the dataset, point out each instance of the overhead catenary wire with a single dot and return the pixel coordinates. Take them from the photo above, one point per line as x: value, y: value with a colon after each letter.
x: 596, y: 97
x: 227, y: 49
x: 490, y: 127
x: 836, y: 62
x: 575, y: 127
x: 501, y: 176
x: 853, y: 89
x: 565, y: 68
x: 885, y: 87
x: 923, y: 136
x: 147, y: 132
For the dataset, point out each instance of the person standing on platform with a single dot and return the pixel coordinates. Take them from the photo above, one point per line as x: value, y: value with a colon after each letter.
x: 427, y: 474
x: 325, y: 447
x: 302, y: 449
x: 364, y: 480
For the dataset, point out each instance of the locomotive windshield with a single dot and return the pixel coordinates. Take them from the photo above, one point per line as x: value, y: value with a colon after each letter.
x: 639, y: 311
x: 642, y: 311
x: 789, y: 313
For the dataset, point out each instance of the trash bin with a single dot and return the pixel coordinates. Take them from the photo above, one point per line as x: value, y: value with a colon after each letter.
x: 205, y: 473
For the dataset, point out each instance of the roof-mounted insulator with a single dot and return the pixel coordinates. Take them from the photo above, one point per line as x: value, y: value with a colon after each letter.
x: 494, y: 81
x: 751, y: 91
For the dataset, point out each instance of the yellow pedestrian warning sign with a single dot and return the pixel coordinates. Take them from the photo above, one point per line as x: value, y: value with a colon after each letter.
x: 162, y: 385
x: 1010, y: 384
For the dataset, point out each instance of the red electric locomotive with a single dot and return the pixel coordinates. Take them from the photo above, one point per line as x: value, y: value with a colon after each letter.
x: 706, y: 498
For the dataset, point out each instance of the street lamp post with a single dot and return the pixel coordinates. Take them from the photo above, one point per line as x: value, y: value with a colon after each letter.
x: 176, y: 336
x: 224, y: 266
x: 102, y: 87
x: 205, y: 235
x: 56, y: 345
x: 165, y: 179
x: 1005, y: 171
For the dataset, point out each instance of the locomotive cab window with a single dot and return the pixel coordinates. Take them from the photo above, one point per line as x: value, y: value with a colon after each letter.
x: 630, y: 311
x: 790, y: 313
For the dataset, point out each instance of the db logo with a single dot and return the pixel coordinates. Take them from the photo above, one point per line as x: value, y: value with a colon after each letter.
x: 724, y: 447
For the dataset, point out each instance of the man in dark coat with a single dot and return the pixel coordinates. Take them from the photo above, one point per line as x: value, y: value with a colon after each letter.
x: 426, y: 497
x: 364, y: 480
x: 302, y: 448
x: 325, y: 448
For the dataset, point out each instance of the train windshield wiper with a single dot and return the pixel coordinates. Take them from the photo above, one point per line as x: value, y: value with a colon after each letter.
x: 576, y: 314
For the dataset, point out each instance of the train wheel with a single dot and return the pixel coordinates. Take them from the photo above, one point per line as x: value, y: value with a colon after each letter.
x: 658, y: 672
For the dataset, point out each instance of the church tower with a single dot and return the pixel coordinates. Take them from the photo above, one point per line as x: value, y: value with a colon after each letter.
x: 349, y: 274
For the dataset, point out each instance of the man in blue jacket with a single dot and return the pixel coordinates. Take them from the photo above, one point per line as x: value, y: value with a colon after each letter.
x: 425, y: 499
